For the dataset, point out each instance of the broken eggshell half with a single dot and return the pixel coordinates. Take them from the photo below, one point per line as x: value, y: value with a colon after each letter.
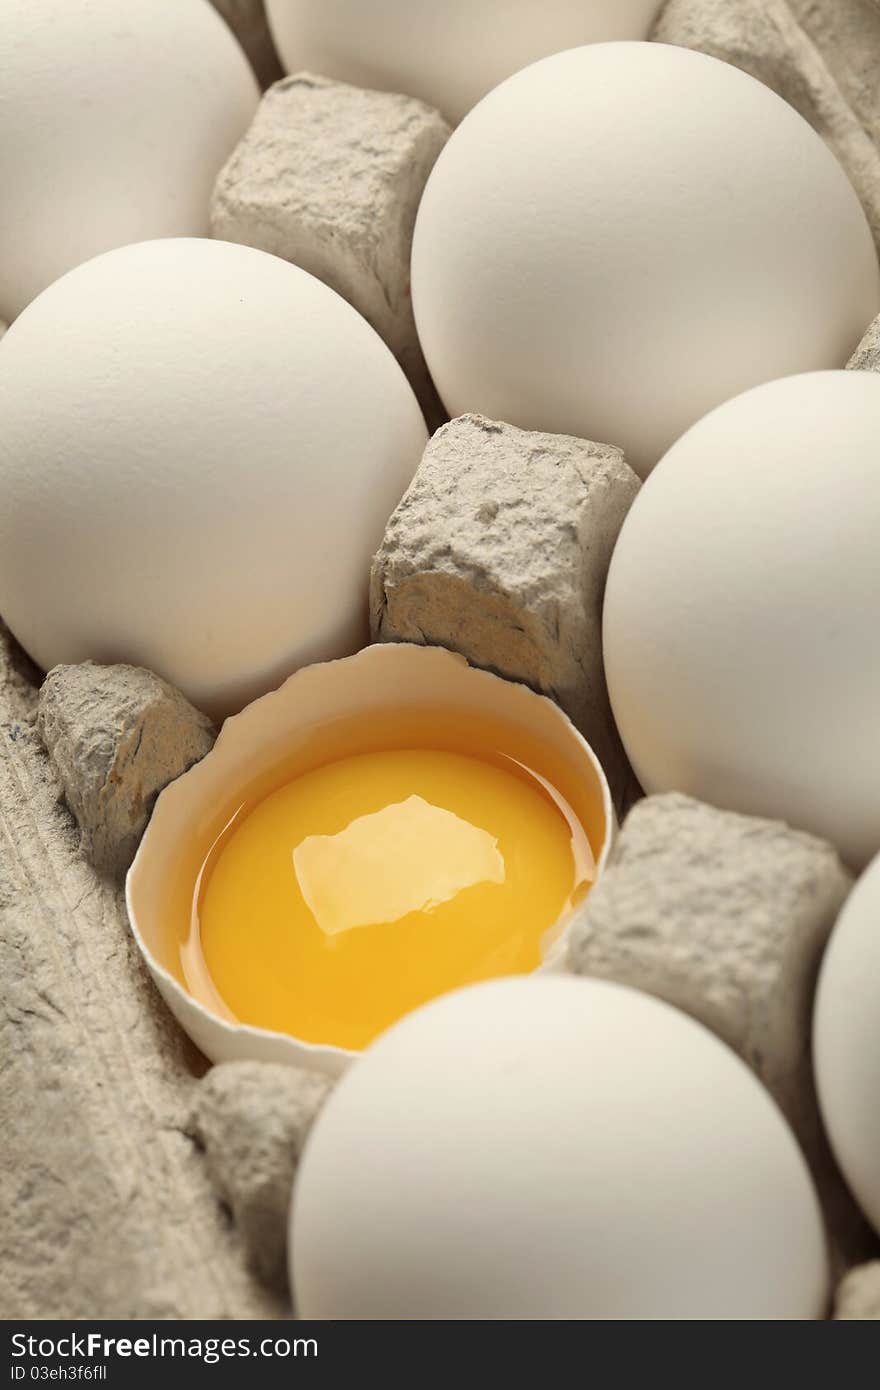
x: 322, y: 713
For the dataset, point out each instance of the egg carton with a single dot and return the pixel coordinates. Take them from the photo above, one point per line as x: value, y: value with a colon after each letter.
x: 143, y: 1154
x: 108, y: 1209
x: 164, y: 1185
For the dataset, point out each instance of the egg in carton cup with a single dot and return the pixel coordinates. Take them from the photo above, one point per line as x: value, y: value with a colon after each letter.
x: 214, y: 899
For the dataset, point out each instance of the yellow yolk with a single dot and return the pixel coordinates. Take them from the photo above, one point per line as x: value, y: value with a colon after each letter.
x: 361, y: 889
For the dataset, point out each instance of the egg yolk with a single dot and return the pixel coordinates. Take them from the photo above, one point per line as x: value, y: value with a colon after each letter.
x: 358, y: 891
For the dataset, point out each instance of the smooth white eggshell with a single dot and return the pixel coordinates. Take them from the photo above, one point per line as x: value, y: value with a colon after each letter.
x: 115, y: 119
x: 622, y: 236
x: 548, y: 1148
x: 846, y: 1041
x: 450, y: 53
x: 201, y: 445
x: 741, y: 611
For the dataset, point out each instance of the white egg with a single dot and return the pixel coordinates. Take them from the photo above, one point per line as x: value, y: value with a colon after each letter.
x: 201, y: 445
x: 449, y: 54
x: 741, y: 618
x: 846, y: 1041
x: 551, y: 1147
x: 621, y: 237
x: 117, y: 116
